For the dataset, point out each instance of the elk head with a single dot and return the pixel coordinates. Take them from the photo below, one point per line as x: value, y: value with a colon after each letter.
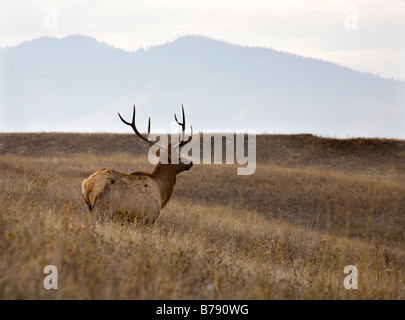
x: 170, y: 152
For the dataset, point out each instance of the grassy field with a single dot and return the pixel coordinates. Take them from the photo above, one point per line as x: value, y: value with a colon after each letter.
x: 313, y: 206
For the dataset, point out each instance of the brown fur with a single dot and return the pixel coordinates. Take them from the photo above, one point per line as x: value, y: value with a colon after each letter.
x: 135, y: 196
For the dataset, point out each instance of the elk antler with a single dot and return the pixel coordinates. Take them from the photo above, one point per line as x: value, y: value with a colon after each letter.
x: 183, y: 128
x: 133, y: 126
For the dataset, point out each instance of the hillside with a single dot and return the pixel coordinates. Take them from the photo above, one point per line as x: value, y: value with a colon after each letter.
x: 310, y: 169
x: 77, y: 84
x: 359, y: 155
x: 313, y: 206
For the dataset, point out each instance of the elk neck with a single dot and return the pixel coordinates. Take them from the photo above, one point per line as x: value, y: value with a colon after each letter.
x: 165, y: 176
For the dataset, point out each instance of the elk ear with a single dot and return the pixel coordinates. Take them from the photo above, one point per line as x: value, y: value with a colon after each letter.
x: 158, y: 153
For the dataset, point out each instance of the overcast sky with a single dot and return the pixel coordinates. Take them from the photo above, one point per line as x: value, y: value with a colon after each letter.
x: 364, y: 35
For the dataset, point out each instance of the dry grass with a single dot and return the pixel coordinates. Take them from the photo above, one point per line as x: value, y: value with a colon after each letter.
x: 284, y: 233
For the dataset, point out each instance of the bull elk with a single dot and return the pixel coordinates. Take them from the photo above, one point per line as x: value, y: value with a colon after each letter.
x: 137, y: 196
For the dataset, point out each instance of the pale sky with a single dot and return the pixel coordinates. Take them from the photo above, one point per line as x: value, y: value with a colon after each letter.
x: 364, y: 35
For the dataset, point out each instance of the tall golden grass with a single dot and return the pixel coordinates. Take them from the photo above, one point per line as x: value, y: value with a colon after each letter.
x: 286, y: 232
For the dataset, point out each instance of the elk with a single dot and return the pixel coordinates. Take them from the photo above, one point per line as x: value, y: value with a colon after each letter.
x: 138, y: 196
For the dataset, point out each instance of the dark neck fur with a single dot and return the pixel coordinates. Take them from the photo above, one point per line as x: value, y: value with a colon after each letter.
x: 165, y: 176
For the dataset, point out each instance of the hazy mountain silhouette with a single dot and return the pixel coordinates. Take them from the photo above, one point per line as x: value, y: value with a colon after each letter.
x: 79, y: 84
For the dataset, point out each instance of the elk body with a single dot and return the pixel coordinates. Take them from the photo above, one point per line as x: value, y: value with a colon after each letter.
x: 137, y: 196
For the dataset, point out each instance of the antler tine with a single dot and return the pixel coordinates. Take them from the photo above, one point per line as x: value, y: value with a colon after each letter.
x: 183, y: 124
x: 183, y: 143
x: 183, y: 128
x: 133, y: 126
x: 126, y: 122
x: 150, y: 144
x: 184, y: 117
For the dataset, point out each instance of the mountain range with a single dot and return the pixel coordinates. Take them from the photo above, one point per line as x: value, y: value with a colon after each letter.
x: 78, y: 84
